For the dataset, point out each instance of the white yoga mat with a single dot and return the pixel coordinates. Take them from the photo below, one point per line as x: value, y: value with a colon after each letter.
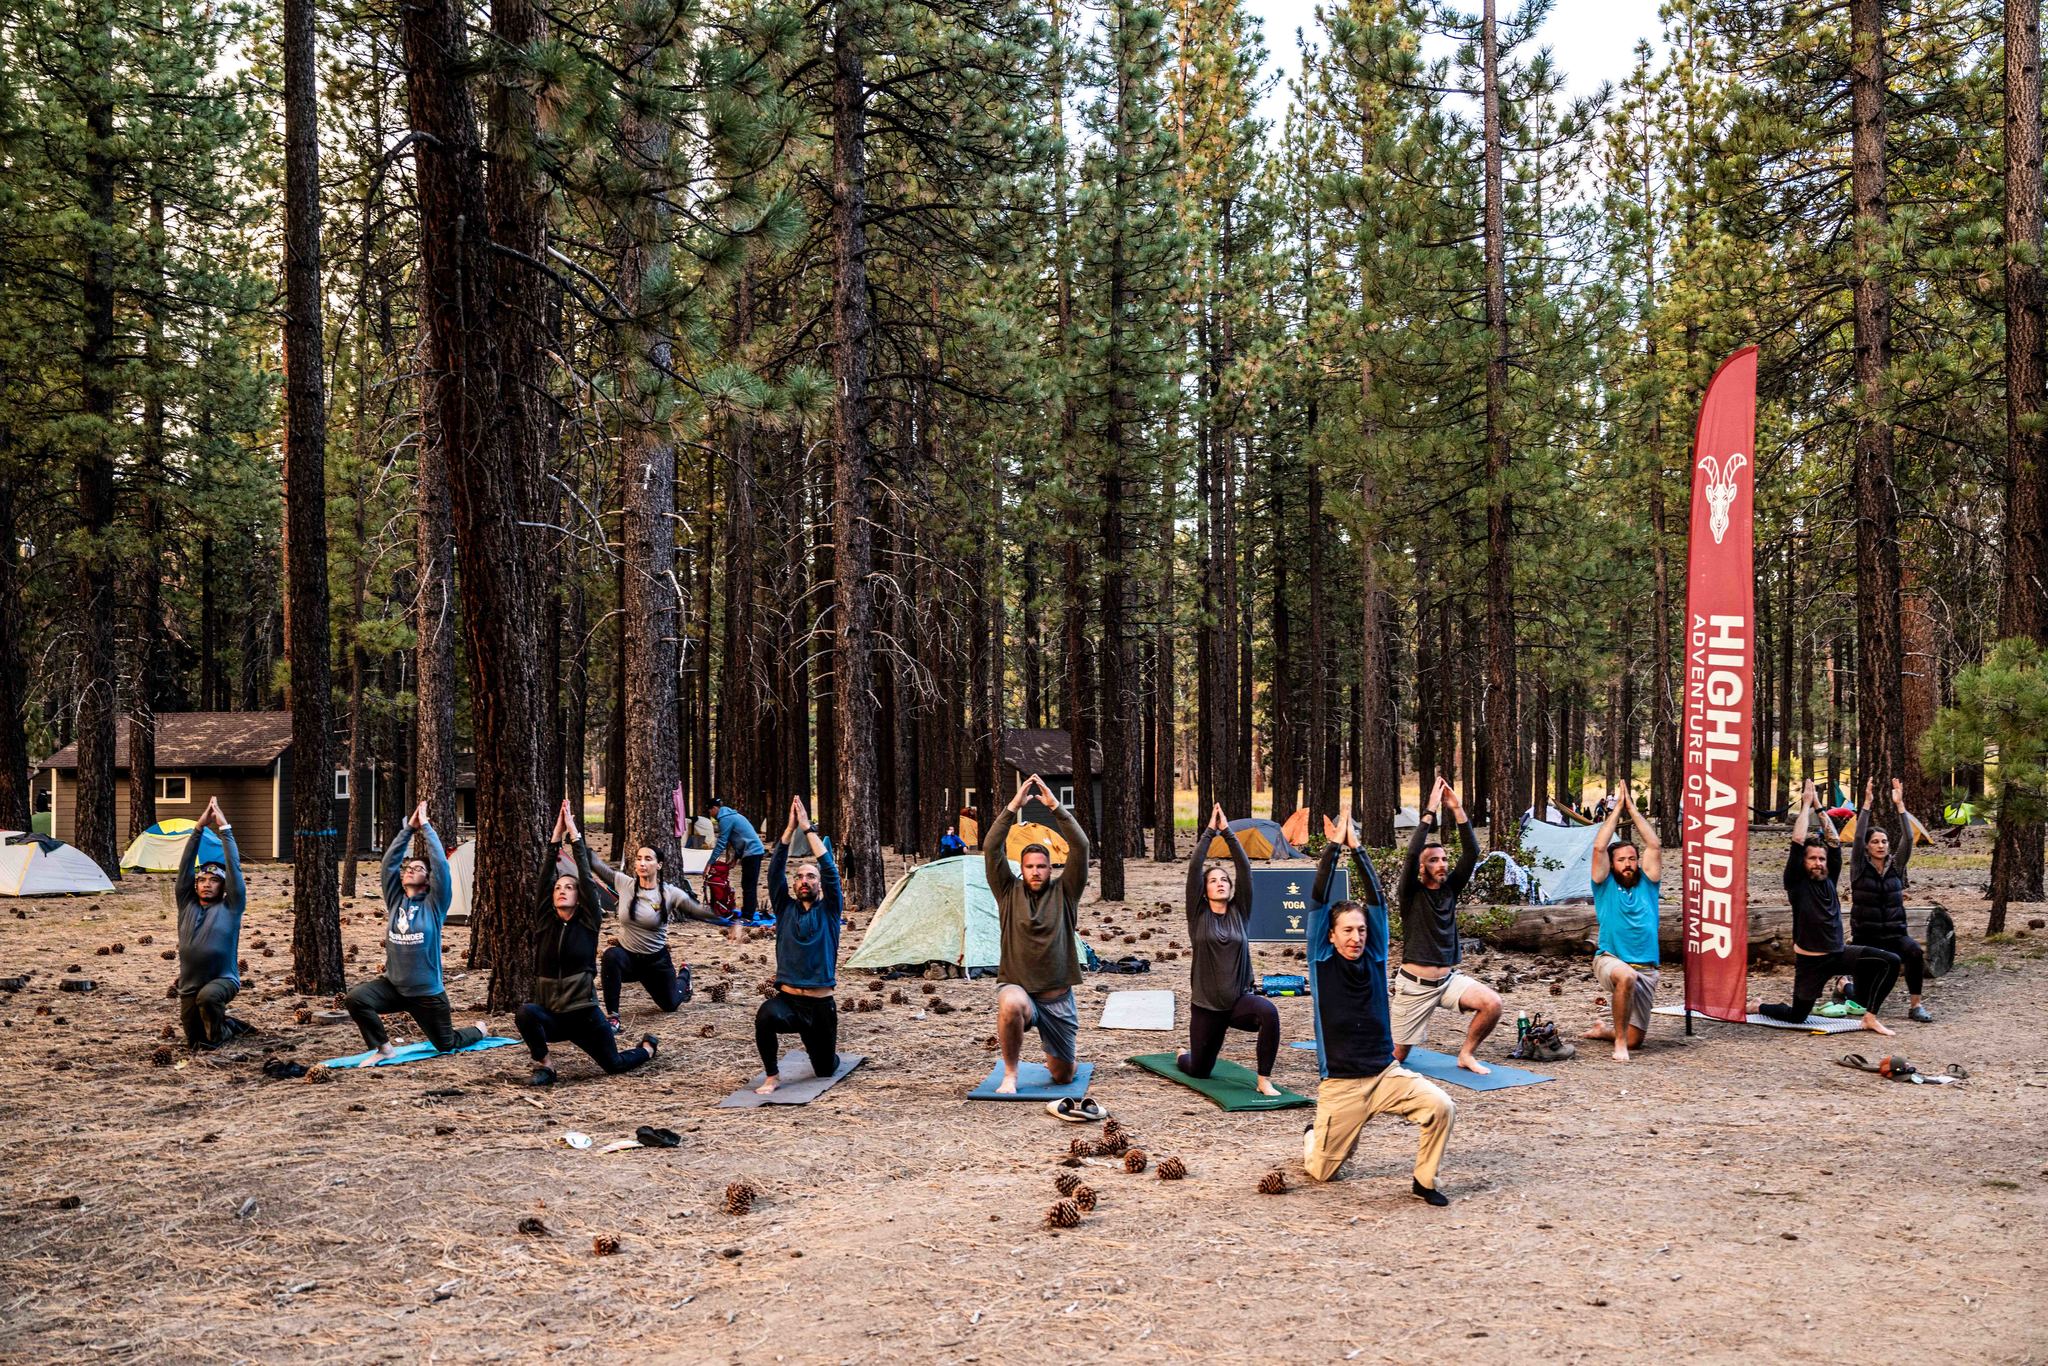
x: 1815, y: 1024
x: 1138, y: 1010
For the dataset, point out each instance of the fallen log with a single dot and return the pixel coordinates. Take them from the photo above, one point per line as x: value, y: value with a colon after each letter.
x: 1570, y: 930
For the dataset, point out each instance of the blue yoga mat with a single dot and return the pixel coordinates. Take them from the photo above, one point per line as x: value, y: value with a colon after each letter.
x: 1443, y: 1067
x: 1034, y: 1083
x: 413, y: 1052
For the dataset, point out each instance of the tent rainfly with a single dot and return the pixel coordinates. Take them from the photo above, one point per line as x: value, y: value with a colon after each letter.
x: 35, y: 865
x: 1025, y: 833
x: 1261, y: 840
x: 1570, y: 849
x: 939, y: 912
x: 158, y: 849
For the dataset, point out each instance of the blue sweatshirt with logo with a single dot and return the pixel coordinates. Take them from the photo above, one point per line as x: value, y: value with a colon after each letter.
x: 412, y: 925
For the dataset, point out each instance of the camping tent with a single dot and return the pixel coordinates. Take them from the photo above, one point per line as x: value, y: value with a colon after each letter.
x: 1261, y: 840
x: 1553, y: 814
x: 1406, y: 819
x: 1570, y: 847
x: 1030, y: 832
x: 463, y: 863
x: 158, y: 849
x: 939, y: 912
x: 1295, y: 827
x: 1920, y: 835
x: 35, y: 865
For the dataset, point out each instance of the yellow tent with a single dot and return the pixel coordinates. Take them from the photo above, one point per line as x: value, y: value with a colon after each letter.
x: 158, y: 849
x: 1295, y: 828
x: 1261, y: 839
x: 970, y: 832
x: 1847, y: 830
x: 1028, y: 832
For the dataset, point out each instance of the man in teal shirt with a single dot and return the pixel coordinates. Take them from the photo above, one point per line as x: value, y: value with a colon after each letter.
x: 1625, y: 881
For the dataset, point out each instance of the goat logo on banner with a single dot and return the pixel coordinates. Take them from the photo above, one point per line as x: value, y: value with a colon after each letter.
x: 1720, y: 490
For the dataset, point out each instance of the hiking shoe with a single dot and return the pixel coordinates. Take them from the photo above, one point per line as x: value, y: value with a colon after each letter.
x: 1919, y: 1015
x: 613, y: 1021
x: 1544, y: 1045
x: 542, y: 1076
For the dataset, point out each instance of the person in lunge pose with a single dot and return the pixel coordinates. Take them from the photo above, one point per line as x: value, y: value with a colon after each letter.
x: 1818, y: 954
x: 1220, y: 986
x: 211, y: 898
x: 640, y: 952
x: 1347, y: 970
x: 1429, y: 976
x: 1038, y: 967
x: 1877, y: 895
x: 564, y: 1005
x: 417, y: 894
x: 808, y: 912
x: 1625, y: 890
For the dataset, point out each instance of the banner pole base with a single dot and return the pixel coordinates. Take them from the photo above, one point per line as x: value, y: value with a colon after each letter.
x: 1688, y: 1021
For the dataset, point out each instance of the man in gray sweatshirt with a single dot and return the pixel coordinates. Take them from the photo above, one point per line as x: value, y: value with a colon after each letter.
x: 211, y: 897
x: 417, y: 894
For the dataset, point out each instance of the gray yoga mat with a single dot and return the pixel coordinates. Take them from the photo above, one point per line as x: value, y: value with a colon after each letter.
x: 1815, y: 1024
x: 800, y: 1085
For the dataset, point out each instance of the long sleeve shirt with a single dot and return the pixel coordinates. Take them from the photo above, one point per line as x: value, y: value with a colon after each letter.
x: 1354, y: 1035
x: 412, y: 925
x: 565, y: 961
x: 209, y: 933
x: 736, y: 837
x: 1222, y: 967
x: 1429, y: 915
x: 1816, y: 905
x: 644, y: 912
x: 806, y: 937
x: 1038, y: 930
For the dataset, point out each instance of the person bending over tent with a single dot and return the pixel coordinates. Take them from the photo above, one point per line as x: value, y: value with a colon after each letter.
x: 1818, y: 954
x: 417, y: 894
x: 1877, y: 895
x: 1220, y: 979
x: 1625, y: 890
x: 1038, y: 967
x: 737, y: 839
x: 1429, y: 975
x: 564, y: 1005
x: 809, y: 911
x: 211, y: 899
x: 639, y: 952
x: 1347, y: 969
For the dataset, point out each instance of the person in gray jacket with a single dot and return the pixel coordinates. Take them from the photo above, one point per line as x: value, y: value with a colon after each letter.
x: 639, y: 950
x: 211, y: 898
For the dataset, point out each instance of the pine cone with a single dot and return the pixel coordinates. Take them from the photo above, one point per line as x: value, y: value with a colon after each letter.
x: 941, y: 1006
x: 145, y: 939
x: 897, y: 998
x: 118, y: 947
x: 1081, y: 1147
x: 716, y: 991
x: 532, y: 1227
x: 739, y: 1198
x: 603, y: 1245
x: 1273, y: 1183
x: 1114, y: 1145
x: 168, y: 1032
x: 1066, y: 1181
x: 929, y: 988
x: 1111, y: 1127
x: 168, y: 954
x: 303, y: 1015
x: 1063, y: 1215
x: 163, y: 1056
x: 1084, y: 1198
x: 705, y: 1031
x: 1172, y: 1169
x: 1134, y: 1160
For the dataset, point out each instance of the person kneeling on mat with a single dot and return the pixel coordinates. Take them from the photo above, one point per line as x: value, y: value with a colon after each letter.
x: 1347, y: 969
x: 1625, y: 960
x: 1818, y: 953
x: 210, y: 900
x: 640, y: 951
x: 808, y: 911
x: 1220, y: 980
x: 1877, y: 896
x: 1429, y: 976
x: 417, y: 894
x: 1038, y: 966
x: 564, y: 1004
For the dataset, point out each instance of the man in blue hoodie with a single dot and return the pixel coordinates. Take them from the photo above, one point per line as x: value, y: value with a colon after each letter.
x: 211, y: 897
x: 417, y: 894
x: 737, y: 839
x: 809, y: 911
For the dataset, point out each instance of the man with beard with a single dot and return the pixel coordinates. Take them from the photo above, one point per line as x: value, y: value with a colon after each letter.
x: 808, y: 912
x: 1037, y: 966
x: 1429, y: 978
x: 1625, y: 890
x: 1818, y: 953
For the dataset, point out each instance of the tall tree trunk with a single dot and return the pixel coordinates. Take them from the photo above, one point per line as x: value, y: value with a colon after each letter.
x: 1500, y: 622
x: 1165, y: 695
x: 148, y: 590
x: 1427, y: 729
x: 16, y: 799
x: 1322, y: 729
x: 316, y: 906
x: 1376, y: 772
x: 1078, y: 675
x: 1280, y: 694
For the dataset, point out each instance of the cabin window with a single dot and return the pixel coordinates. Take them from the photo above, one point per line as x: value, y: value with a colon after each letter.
x: 968, y: 800
x: 341, y: 784
x: 173, y: 787
x: 1066, y: 795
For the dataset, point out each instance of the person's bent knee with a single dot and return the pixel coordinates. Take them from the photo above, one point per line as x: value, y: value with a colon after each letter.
x: 1061, y: 1070
x: 359, y: 995
x: 1190, y: 1066
x: 528, y: 1013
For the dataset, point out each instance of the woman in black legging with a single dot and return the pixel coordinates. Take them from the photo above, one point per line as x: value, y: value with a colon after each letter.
x: 1877, y: 896
x: 1219, y: 905
x: 564, y: 1008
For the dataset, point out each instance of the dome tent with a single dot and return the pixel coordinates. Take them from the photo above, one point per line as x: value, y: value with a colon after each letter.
x: 939, y: 912
x: 35, y: 865
x: 1261, y: 839
x: 158, y: 849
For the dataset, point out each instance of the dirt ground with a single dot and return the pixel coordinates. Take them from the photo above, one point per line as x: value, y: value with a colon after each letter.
x: 1730, y: 1196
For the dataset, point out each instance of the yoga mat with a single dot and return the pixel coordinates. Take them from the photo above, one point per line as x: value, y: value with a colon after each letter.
x: 412, y: 1052
x: 1138, y: 1010
x: 1231, y: 1086
x: 1034, y: 1083
x: 800, y: 1085
x: 1815, y: 1024
x: 1443, y: 1067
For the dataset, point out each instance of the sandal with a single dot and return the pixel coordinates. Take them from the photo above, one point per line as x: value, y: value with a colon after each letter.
x: 652, y: 1045
x: 1076, y: 1110
x: 651, y: 1137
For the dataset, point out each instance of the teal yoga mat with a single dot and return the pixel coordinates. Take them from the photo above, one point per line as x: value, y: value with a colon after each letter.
x: 1443, y: 1068
x: 1230, y: 1085
x: 1034, y: 1083
x: 413, y: 1052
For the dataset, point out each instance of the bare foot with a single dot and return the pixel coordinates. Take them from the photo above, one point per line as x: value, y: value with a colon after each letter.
x: 1472, y: 1064
x: 383, y: 1050
x: 1620, y: 1050
x: 767, y: 1088
x: 1599, y: 1031
x: 1266, y: 1088
x: 1875, y: 1025
x: 1008, y: 1086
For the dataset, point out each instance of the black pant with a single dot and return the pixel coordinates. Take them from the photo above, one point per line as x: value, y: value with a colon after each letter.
x: 1206, y: 1029
x: 1912, y: 958
x: 1872, y: 974
x: 749, y: 888
x: 814, y: 1019
x: 655, y: 971
x: 586, y: 1028
x: 204, y: 1013
x: 369, y: 1002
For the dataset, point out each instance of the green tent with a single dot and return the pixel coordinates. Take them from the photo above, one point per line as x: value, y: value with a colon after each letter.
x: 941, y: 912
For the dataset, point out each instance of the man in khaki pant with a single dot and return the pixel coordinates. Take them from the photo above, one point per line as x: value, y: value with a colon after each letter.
x: 1354, y: 1036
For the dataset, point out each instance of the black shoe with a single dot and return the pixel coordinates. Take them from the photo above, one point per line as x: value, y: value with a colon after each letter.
x: 1919, y: 1015
x: 1430, y: 1194
x: 651, y: 1137
x: 542, y: 1076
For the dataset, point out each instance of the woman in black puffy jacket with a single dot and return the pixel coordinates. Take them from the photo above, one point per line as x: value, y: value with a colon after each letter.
x: 1877, y: 895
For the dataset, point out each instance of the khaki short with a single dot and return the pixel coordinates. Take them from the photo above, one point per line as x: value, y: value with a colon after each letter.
x: 1606, y: 967
x: 1414, y: 1002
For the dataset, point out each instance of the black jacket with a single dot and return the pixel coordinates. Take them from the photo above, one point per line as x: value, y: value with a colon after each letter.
x: 1877, y: 900
x: 565, y: 961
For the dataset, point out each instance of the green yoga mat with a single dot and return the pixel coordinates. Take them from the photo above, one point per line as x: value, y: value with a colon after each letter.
x: 1230, y: 1086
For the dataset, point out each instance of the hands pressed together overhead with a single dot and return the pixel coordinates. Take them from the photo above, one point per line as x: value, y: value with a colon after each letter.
x: 1026, y: 787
